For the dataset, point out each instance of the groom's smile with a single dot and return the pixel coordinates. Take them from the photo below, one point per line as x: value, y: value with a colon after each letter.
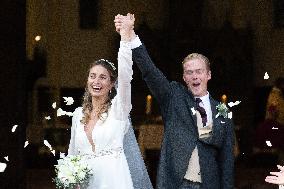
x: 196, y: 76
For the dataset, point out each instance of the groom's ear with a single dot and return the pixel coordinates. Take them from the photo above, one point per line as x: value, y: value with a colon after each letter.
x: 209, y: 75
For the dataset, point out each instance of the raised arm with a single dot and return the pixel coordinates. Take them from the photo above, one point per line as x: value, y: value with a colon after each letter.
x: 72, y: 150
x: 155, y: 79
x: 125, y: 73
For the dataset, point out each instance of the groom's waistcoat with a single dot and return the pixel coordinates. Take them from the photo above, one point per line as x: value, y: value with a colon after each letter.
x: 193, y: 171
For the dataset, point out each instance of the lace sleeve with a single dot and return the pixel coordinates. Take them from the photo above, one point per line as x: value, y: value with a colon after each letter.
x: 123, y: 99
x: 72, y: 146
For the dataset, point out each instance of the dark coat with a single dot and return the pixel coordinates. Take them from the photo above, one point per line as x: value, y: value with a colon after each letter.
x: 181, y: 135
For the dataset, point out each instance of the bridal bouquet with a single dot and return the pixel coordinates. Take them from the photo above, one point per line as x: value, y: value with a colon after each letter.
x: 72, y: 172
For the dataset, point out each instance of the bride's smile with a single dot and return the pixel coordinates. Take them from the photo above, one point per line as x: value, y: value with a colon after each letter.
x: 99, y: 82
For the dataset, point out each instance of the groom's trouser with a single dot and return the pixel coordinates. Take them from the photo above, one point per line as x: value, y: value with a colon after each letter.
x: 186, y: 184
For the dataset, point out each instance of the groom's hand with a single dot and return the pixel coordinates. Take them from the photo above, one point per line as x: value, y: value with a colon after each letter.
x: 124, y: 25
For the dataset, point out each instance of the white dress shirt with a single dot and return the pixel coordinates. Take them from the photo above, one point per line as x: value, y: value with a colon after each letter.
x: 207, y: 106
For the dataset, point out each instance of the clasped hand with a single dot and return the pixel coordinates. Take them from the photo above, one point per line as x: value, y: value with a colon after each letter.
x: 124, y: 25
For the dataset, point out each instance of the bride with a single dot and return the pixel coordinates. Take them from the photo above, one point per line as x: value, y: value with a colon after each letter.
x: 101, y: 130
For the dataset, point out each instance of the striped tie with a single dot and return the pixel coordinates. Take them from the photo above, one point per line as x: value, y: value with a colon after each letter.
x: 202, y: 111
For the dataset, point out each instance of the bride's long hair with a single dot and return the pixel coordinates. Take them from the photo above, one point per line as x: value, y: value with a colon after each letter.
x: 87, y: 98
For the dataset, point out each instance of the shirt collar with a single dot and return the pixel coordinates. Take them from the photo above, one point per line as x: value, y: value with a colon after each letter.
x: 205, y: 99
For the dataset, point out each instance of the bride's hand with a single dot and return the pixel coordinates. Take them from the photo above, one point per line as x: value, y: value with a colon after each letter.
x: 125, y: 26
x: 118, y: 22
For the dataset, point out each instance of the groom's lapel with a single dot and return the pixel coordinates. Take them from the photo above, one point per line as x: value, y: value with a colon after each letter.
x: 216, y: 121
x: 191, y: 108
x: 214, y: 112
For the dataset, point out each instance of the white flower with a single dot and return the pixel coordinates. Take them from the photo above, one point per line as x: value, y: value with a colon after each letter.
x: 71, y: 171
x: 81, y: 175
x: 68, y: 100
x: 62, y: 155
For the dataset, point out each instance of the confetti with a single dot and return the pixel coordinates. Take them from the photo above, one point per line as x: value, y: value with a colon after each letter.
x: 49, y: 146
x: 266, y: 76
x: 68, y: 100
x: 230, y: 115
x: 70, y: 114
x: 7, y: 158
x: 54, y: 105
x: 26, y: 143
x: 47, y: 118
x: 61, y: 112
x: 2, y: 167
x: 14, y: 128
x: 193, y: 111
x: 268, y: 143
x: 46, y: 143
x: 222, y: 122
x: 231, y: 104
x: 217, y: 115
x: 274, y: 128
x: 53, y: 152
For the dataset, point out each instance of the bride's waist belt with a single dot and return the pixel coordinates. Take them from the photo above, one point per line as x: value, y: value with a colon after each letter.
x: 105, y: 152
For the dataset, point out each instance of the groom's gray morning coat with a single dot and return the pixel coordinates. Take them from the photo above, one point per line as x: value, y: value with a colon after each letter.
x: 181, y: 135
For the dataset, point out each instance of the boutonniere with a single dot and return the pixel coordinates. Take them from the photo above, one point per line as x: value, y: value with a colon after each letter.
x: 223, y: 110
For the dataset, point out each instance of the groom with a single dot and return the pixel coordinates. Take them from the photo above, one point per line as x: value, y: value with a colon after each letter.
x: 197, y: 149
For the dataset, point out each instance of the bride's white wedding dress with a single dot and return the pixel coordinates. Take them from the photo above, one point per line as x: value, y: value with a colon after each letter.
x: 108, y: 163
